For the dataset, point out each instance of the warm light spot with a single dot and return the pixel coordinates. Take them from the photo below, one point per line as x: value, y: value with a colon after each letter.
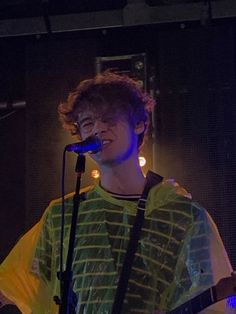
x: 95, y: 174
x: 142, y: 161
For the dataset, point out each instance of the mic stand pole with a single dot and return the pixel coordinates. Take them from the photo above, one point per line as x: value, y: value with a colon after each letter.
x: 68, y: 297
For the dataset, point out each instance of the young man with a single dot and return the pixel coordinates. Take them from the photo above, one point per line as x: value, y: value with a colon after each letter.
x: 180, y: 253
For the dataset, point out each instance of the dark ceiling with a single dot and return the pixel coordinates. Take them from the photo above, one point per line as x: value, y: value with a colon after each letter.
x: 27, y: 8
x: 32, y: 8
x: 33, y: 17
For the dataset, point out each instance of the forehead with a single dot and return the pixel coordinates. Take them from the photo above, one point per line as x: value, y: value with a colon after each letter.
x: 104, y: 113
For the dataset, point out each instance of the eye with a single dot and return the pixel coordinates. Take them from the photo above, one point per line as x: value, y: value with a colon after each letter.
x: 86, y: 125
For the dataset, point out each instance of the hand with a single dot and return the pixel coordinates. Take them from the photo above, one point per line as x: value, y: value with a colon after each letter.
x: 226, y: 287
x: 4, y: 301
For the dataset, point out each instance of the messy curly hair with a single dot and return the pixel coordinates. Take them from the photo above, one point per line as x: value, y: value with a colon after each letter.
x: 107, y: 93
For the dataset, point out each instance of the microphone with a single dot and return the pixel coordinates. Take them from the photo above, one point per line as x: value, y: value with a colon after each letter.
x: 91, y: 144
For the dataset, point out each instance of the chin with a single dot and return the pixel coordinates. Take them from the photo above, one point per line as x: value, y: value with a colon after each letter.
x: 106, y: 160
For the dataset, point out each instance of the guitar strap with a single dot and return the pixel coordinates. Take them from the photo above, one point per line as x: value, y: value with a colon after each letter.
x: 151, y: 180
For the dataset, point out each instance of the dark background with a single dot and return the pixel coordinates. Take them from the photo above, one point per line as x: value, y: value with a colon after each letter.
x: 193, y: 66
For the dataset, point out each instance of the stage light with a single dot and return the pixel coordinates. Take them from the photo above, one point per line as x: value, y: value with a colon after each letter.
x: 95, y: 174
x: 142, y: 161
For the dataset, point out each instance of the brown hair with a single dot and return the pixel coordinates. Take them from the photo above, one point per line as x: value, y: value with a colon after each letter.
x: 107, y: 92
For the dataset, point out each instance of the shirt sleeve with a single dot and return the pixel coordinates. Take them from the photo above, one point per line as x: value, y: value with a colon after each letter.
x: 17, y: 283
x: 221, y: 267
x: 202, y: 262
x: 19, y: 280
x: 42, y: 259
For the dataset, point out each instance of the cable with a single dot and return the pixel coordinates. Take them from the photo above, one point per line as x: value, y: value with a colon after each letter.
x: 62, y: 219
x: 7, y: 115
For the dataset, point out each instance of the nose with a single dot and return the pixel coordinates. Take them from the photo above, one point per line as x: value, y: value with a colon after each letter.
x: 100, y: 127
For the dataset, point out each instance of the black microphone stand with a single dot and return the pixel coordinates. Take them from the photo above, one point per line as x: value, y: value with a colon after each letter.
x: 68, y: 302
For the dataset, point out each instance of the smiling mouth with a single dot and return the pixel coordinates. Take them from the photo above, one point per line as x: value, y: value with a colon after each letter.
x: 106, y: 142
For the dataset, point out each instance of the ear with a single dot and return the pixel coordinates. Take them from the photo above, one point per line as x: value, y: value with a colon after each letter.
x: 139, y: 127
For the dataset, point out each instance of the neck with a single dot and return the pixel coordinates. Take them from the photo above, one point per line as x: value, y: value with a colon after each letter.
x: 126, y: 178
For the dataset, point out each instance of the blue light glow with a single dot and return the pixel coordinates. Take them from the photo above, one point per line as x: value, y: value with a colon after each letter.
x: 231, y: 302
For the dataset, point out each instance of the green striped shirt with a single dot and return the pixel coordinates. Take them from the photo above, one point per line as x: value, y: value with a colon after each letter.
x: 172, y: 261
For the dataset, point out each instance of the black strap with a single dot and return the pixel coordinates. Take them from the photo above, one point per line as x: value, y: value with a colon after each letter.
x: 151, y: 180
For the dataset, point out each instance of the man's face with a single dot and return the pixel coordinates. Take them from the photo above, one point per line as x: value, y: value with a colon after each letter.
x: 119, y: 138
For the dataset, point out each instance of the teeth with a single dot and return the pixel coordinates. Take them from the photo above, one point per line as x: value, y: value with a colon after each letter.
x: 106, y: 141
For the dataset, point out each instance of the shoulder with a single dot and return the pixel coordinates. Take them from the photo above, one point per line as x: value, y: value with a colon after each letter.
x: 173, y: 198
x: 55, y: 205
x: 167, y: 192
